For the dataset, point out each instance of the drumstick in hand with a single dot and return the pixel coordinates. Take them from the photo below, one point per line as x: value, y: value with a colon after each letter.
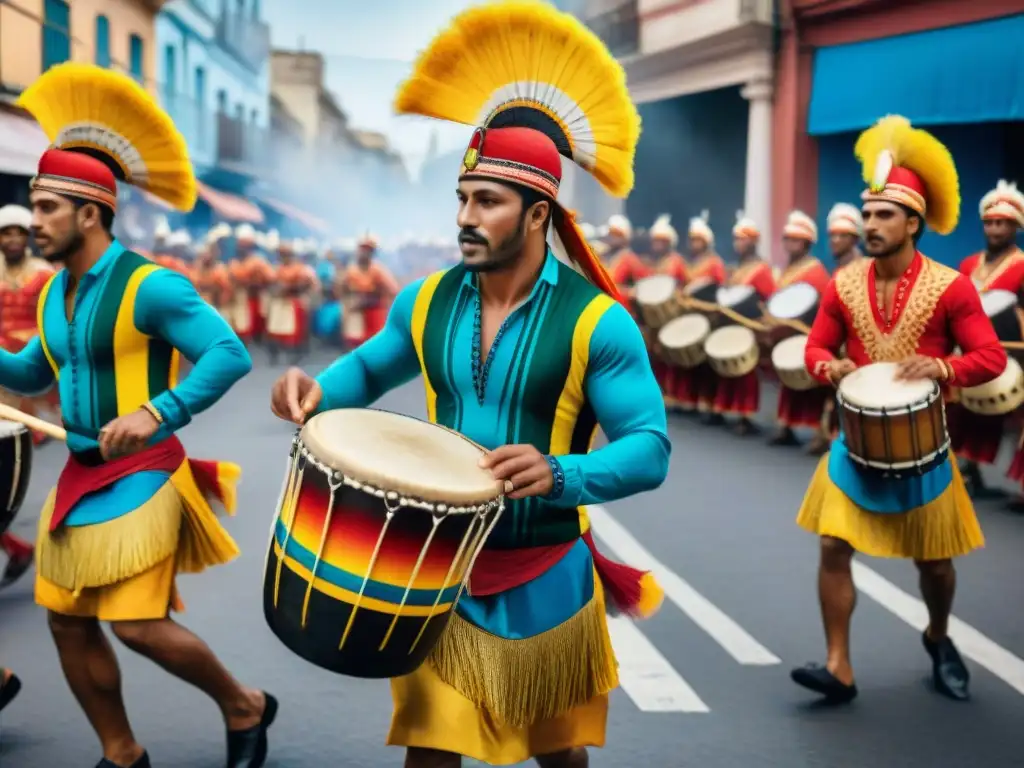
x: 39, y: 425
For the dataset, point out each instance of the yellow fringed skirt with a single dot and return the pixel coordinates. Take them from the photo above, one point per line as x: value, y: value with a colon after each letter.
x: 124, y: 569
x: 944, y: 528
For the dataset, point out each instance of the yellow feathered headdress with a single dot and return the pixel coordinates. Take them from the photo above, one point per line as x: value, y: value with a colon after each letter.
x: 910, y: 167
x: 537, y: 84
x: 86, y: 110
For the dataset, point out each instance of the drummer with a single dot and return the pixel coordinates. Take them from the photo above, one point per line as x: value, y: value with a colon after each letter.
x: 693, y: 388
x: 976, y: 438
x: 923, y: 311
x: 624, y: 265
x: 739, y: 397
x: 802, y: 408
x: 667, y: 261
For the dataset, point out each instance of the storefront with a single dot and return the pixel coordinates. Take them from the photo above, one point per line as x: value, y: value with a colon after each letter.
x: 960, y: 79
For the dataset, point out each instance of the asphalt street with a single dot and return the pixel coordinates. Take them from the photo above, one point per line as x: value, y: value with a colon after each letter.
x: 705, y: 682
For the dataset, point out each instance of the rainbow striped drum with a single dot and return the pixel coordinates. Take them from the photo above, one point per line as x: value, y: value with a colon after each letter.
x: 380, y: 520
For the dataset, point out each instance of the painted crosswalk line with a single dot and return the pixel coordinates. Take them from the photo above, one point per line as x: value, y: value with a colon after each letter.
x: 735, y: 640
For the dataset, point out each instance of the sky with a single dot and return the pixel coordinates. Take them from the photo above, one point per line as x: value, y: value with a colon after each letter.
x: 369, y: 47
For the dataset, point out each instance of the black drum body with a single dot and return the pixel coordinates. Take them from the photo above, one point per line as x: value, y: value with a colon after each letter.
x: 15, y: 469
x: 798, y: 304
x: 701, y: 289
x: 1001, y: 308
x: 743, y: 300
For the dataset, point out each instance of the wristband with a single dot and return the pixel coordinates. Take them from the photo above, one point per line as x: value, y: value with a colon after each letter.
x: 558, y: 477
x: 153, y: 411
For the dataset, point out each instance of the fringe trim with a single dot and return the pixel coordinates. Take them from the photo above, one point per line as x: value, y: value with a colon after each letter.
x: 522, y: 682
x: 90, y: 556
x: 204, y: 540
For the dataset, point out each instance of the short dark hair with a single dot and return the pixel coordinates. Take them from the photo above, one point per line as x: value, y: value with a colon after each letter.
x: 531, y: 197
x: 912, y: 214
x: 106, y: 214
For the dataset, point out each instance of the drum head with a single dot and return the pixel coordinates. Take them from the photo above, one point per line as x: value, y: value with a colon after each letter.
x: 684, y: 331
x: 731, y: 341
x: 994, y: 302
x: 793, y: 301
x: 874, y: 386
x: 398, y: 453
x: 789, y: 354
x: 734, y: 294
x: 11, y: 428
x: 654, y: 290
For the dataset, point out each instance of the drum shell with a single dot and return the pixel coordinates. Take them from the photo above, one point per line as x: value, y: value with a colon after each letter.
x: 998, y: 397
x: 792, y: 372
x: 748, y: 307
x: 702, y: 289
x: 654, y: 316
x: 357, y: 519
x: 899, y: 439
x: 691, y: 353
x: 1007, y: 323
x: 729, y: 361
x: 780, y: 330
x: 15, y: 473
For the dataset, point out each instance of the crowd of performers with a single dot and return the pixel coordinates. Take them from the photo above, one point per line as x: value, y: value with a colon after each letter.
x: 719, y: 377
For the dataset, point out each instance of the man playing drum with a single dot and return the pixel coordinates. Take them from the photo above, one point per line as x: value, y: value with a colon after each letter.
x: 1000, y: 267
x: 901, y: 307
x: 802, y: 408
x: 526, y: 357
x: 667, y: 261
x: 130, y: 510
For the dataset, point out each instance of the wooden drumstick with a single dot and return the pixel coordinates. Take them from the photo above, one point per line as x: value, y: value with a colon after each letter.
x: 39, y: 425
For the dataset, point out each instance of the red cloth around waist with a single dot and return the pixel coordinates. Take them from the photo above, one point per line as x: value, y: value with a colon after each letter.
x: 77, y: 479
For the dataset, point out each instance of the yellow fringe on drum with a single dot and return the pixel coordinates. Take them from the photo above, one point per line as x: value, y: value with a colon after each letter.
x: 88, y: 556
x: 944, y: 528
x: 537, y: 678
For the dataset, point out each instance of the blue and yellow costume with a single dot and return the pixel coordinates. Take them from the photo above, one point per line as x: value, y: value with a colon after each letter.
x: 526, y: 669
x: 113, y: 534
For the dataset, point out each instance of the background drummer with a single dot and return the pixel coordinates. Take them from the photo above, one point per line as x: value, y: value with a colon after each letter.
x: 804, y: 408
x: 624, y: 266
x: 664, y: 241
x: 975, y: 437
x: 740, y: 396
x: 693, y: 389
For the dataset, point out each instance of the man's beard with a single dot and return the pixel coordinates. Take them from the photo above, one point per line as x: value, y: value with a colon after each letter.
x: 505, y: 255
x: 72, y: 245
x: 16, y: 256
x: 886, y: 253
x: 1000, y: 245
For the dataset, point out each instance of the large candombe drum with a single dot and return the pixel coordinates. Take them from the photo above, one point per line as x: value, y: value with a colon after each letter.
x: 15, y: 469
x: 788, y: 360
x: 656, y: 300
x: 682, y: 340
x: 893, y: 427
x: 1003, y: 395
x: 380, y: 519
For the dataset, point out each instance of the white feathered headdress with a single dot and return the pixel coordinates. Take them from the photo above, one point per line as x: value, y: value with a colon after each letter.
x: 662, y: 229
x: 700, y: 228
x: 1004, y: 202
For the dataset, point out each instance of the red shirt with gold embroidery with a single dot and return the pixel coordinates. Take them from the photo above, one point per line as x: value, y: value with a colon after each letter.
x: 809, y: 270
x: 628, y: 268
x: 709, y: 267
x: 1007, y: 275
x: 935, y: 309
x: 673, y: 265
x: 758, y: 275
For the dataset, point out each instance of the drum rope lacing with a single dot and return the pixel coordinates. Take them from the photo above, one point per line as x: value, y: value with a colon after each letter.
x: 473, y: 540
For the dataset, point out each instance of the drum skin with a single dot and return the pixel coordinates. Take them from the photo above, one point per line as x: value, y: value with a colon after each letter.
x: 656, y: 300
x: 788, y: 361
x: 15, y: 470
x: 998, y: 397
x: 682, y: 340
x: 383, y: 639
x: 732, y: 351
x: 798, y: 303
x: 902, y: 437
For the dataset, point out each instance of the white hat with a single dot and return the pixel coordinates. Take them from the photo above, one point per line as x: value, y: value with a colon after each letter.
x: 368, y: 240
x: 271, y: 241
x: 745, y: 227
x: 162, y: 230
x: 619, y: 224
x: 588, y: 231
x: 15, y: 216
x: 845, y: 219
x: 179, y: 239
x: 699, y: 228
x: 662, y: 229
x: 245, y: 233
x: 1003, y: 202
x: 800, y: 226
x: 218, y: 233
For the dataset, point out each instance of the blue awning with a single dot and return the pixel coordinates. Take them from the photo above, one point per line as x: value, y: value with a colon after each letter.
x: 966, y: 74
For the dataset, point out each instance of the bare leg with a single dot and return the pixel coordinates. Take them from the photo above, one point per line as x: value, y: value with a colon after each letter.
x: 838, y: 598
x: 938, y: 586
x: 188, y: 658
x: 570, y: 758
x: 417, y: 757
x: 91, y: 669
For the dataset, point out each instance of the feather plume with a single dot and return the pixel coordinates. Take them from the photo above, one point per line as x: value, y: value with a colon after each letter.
x: 517, y: 54
x: 893, y: 141
x: 84, y: 106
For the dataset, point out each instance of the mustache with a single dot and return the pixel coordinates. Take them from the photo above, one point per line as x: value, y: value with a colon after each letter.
x: 472, y: 236
x: 875, y: 239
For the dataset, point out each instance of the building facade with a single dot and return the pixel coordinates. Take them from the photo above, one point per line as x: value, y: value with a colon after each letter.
x: 701, y: 72
x: 37, y: 34
x: 951, y: 67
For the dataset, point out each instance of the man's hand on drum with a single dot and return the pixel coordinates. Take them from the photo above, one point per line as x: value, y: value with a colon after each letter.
x: 841, y: 368
x: 127, y: 434
x: 524, y: 469
x: 920, y: 367
x: 295, y: 395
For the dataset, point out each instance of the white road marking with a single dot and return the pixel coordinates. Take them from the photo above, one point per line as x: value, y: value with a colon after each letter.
x: 646, y: 676
x: 736, y: 641
x: 972, y: 644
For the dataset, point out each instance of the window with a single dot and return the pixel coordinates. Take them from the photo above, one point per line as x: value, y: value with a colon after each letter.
x: 170, y: 70
x: 56, y: 37
x: 135, y: 58
x: 200, y: 87
x: 102, y: 41
x: 222, y: 101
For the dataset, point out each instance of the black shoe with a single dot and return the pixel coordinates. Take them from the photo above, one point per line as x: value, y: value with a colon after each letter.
x: 815, y: 677
x: 784, y: 438
x: 9, y: 689
x: 248, y: 748
x: 142, y: 762
x: 948, y: 670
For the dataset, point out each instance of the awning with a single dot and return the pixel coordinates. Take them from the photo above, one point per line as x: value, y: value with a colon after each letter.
x: 972, y: 73
x: 308, y: 220
x: 22, y: 142
x: 230, y: 207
